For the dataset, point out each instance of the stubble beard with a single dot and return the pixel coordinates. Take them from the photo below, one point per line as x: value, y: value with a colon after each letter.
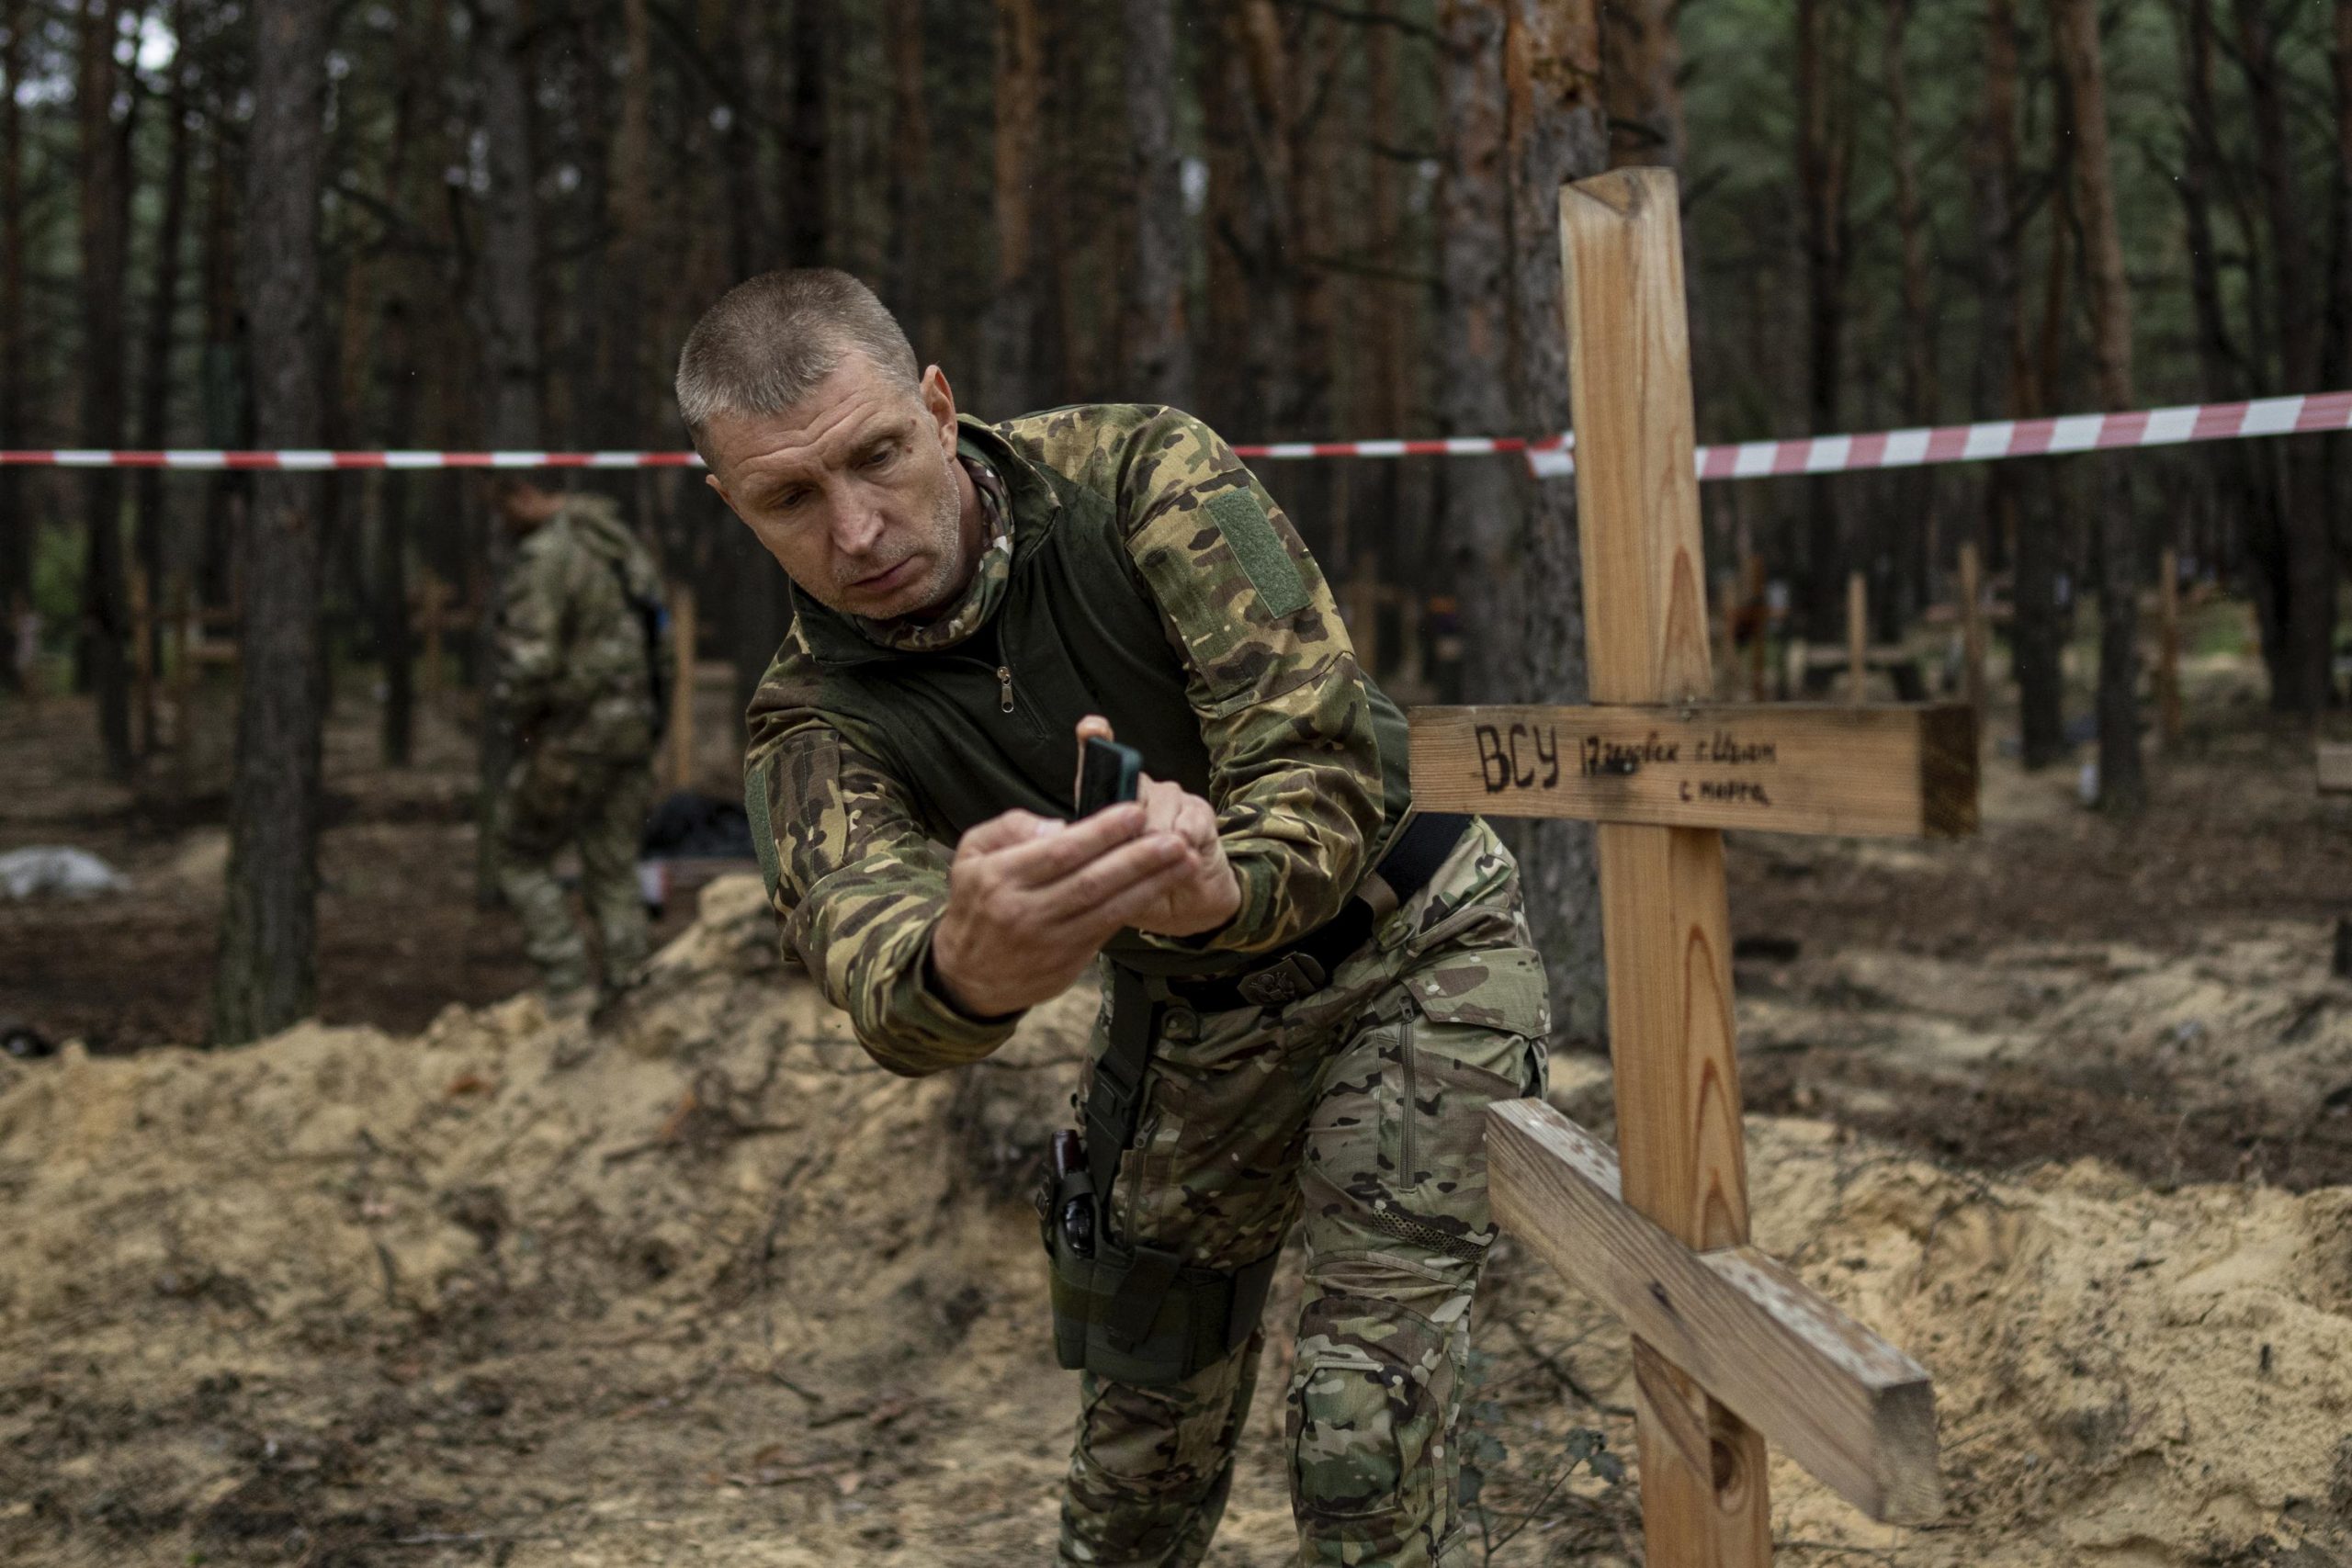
x: 949, y: 573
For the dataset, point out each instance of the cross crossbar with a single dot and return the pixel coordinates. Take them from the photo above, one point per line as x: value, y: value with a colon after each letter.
x: 1783, y: 768
x: 1846, y: 1404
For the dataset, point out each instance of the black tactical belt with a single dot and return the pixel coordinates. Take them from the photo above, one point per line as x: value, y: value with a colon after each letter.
x: 1304, y: 967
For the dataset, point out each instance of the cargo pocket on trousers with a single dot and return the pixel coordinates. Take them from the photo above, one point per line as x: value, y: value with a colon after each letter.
x: 1474, y: 1036
x: 1362, y: 1425
x: 1344, y: 1462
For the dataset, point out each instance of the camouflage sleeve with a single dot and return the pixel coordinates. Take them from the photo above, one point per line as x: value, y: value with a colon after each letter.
x: 858, y: 884
x: 1294, y: 765
x: 530, y: 635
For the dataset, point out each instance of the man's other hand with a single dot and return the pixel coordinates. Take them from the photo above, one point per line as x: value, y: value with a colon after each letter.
x: 1031, y: 901
x: 1208, y: 897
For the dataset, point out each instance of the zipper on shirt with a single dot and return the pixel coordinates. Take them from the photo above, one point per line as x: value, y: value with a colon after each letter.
x: 1004, y: 686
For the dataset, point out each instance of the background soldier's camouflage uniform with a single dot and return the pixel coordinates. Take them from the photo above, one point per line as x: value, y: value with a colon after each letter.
x: 574, y: 686
x: 1359, y: 1108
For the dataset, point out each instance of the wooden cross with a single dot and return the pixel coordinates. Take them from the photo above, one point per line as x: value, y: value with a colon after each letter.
x: 1729, y: 1347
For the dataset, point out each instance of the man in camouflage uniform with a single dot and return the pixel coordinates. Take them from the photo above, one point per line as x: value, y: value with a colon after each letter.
x: 579, y: 655
x: 968, y: 597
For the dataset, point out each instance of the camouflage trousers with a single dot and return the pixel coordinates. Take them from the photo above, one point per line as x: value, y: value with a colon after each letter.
x: 554, y: 797
x: 1359, y: 1112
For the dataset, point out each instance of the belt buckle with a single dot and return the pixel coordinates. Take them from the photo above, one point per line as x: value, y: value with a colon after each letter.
x: 1296, y: 975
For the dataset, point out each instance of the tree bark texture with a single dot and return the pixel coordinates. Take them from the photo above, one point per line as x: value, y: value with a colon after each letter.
x: 2123, y: 789
x: 1557, y: 132
x: 1472, y: 347
x: 2301, y: 677
x: 2243, y: 495
x: 909, y: 294
x: 104, y: 216
x: 1159, y: 363
x: 1012, y: 308
x: 265, y: 976
x: 631, y: 205
x: 509, y: 280
x: 1244, y: 318
x: 1900, y: 591
x: 15, y: 525
x: 2336, y: 358
x: 2030, y: 538
x: 807, y: 229
x: 1824, y: 161
x: 1641, y: 76
x: 227, y: 408
x: 155, y: 383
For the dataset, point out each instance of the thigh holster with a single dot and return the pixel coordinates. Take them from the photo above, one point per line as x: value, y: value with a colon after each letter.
x: 1124, y: 1309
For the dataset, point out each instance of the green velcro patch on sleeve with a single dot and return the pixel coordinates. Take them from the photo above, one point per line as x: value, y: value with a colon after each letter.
x: 755, y: 807
x: 1255, y: 544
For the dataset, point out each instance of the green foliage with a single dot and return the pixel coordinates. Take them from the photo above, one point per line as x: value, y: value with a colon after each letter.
x: 1534, y: 1479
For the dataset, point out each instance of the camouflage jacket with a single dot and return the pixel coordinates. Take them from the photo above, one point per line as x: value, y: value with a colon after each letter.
x: 857, y: 860
x: 573, y: 662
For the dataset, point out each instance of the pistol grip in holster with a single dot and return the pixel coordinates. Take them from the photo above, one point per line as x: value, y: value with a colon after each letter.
x: 1126, y: 1309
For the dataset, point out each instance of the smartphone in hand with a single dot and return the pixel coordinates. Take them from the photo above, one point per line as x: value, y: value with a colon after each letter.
x: 1107, y: 773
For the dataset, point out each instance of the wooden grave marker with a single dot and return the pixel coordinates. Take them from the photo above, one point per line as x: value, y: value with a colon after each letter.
x: 2332, y: 761
x: 1971, y: 623
x: 1858, y: 638
x: 2168, y: 646
x: 1729, y: 1347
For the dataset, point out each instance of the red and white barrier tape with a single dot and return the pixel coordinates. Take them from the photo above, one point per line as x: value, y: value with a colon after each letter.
x: 1549, y: 456
x: 300, y: 461
x: 2310, y: 414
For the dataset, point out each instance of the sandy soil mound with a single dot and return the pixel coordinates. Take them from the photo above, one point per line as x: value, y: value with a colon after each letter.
x: 704, y: 1285
x: 2231, y: 1061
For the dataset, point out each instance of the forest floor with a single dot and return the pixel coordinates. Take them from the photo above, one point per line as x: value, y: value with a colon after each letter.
x: 2065, y: 1109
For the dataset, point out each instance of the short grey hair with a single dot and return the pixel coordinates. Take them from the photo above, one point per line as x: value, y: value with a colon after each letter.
x: 771, y: 339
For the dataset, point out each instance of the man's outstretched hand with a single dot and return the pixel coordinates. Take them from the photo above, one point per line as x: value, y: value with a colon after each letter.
x: 1031, y: 900
x: 1208, y: 897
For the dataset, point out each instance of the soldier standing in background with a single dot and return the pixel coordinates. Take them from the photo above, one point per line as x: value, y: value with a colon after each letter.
x: 1313, y: 992
x: 582, y: 682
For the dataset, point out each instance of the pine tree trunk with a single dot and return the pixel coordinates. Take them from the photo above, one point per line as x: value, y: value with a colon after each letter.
x: 1232, y: 332
x: 1011, y: 327
x: 2031, y: 540
x: 1824, y: 150
x: 265, y: 978
x: 1641, y: 74
x: 1159, y: 363
x: 1557, y: 132
x: 632, y: 220
x: 2237, y: 485
x: 226, y: 407
x: 908, y: 283
x: 2307, y: 589
x: 15, y: 525
x: 103, y: 172
x: 1472, y: 346
x: 156, y: 376
x: 1387, y: 535
x: 510, y: 303
x: 2339, y: 297
x: 808, y: 175
x: 1915, y: 509
x: 2337, y: 369
x: 2123, y: 789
